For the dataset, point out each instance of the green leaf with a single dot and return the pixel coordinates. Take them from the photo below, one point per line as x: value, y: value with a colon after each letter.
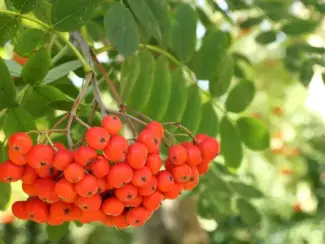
x: 7, y: 87
x: 63, y: 105
x: 250, y: 22
x: 62, y: 70
x: 192, y: 114
x: 146, y: 17
x: 129, y: 74
x: 306, y: 73
x: 210, y: 122
x: 140, y: 93
x: 253, y: 133
x: 183, y: 32
x: 50, y: 93
x: 220, y: 83
x: 207, y: 59
x: 178, y: 97
x: 240, y: 96
x: 42, y: 10
x: 121, y: 29
x: 160, y: 10
x: 9, y: 26
x: 13, y: 121
x: 162, y: 84
x: 67, y: 86
x: 14, y: 68
x: 37, y: 66
x: 23, y: 6
x: 245, y: 190
x: 266, y: 37
x: 204, y: 18
x: 29, y: 40
x: 231, y: 147
x: 3, y: 152
x: 71, y: 15
x: 5, y: 190
x: 248, y: 213
x: 299, y: 26
x: 55, y: 233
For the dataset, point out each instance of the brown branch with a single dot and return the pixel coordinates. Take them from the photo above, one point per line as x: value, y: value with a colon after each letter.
x: 93, y: 112
x: 80, y: 121
x: 182, y: 127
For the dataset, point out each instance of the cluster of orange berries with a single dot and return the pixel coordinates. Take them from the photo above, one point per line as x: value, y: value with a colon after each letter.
x: 108, y: 180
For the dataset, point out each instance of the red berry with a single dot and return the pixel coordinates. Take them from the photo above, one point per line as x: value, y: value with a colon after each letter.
x: 62, y: 159
x: 137, y: 216
x: 181, y: 173
x: 120, y: 221
x: 116, y: 149
x: 47, y: 171
x: 85, y: 155
x: 156, y: 128
x: 134, y: 203
x: 97, y: 137
x: 90, y: 216
x: 112, y: 124
x: 200, y: 137
x: 154, y: 163
x: 141, y: 177
x: 59, y: 146
x: 169, y: 166
x: 65, y: 191
x: 193, y: 181
x: 101, y: 185
x: 74, y: 172
x: 20, y: 142
x: 17, y: 158
x: 165, y: 181
x: 150, y: 140
x: 45, y: 190
x: 19, y: 210
x: 153, y: 201
x: 203, y: 167
x: 30, y: 175
x: 210, y: 148
x: 89, y: 203
x: 119, y: 175
x: 54, y: 221
x: 149, y: 188
x: 29, y: 189
x: 126, y: 193
x: 10, y: 172
x: 174, y: 192
x: 99, y: 168
x: 36, y: 210
x: 65, y: 211
x: 137, y: 155
x: 177, y: 155
x: 40, y: 155
x: 193, y: 154
x: 112, y: 206
x: 87, y: 187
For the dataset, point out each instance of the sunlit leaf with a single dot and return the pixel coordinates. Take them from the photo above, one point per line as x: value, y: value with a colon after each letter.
x: 7, y: 87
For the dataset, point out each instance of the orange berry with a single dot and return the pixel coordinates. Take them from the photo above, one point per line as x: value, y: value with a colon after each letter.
x: 99, y: 168
x: 65, y: 191
x: 54, y: 221
x: 174, y: 192
x: 137, y: 216
x: 119, y: 175
x: 177, y: 155
x: 149, y: 188
x: 65, y: 211
x: 112, y: 124
x: 20, y: 142
x: 154, y: 163
x: 210, y: 148
x: 90, y: 216
x: 150, y: 140
x: 85, y: 155
x: 101, y: 185
x: 203, y: 167
x: 29, y: 176
x: 153, y: 201
x: 74, y: 172
x: 116, y: 149
x: 141, y: 177
x: 200, y: 137
x: 19, y: 210
x: 137, y: 155
x: 59, y: 146
x: 165, y: 181
x: 17, y: 158
x: 40, y: 155
x: 62, y: 159
x: 10, y: 172
x: 193, y: 154
x: 89, y: 203
x: 193, y: 181
x: 120, y: 221
x: 45, y: 190
x: 156, y: 128
x: 29, y: 189
x: 181, y: 173
x: 134, y: 203
x: 97, y: 137
x: 112, y: 206
x: 126, y: 193
x: 36, y: 210
x: 87, y: 187
x: 47, y: 171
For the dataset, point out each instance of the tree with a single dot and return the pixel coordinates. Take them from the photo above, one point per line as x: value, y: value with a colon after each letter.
x: 143, y: 60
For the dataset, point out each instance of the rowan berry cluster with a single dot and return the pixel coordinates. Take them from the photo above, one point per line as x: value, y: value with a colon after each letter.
x: 110, y: 180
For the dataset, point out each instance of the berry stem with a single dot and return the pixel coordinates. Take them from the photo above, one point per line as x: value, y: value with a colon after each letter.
x: 182, y: 127
x: 123, y: 107
x: 50, y: 141
x: 46, y: 131
x: 80, y: 121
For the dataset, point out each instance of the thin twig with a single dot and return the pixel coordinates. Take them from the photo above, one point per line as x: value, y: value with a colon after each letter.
x: 125, y: 107
x: 98, y: 97
x: 93, y: 112
x: 50, y: 141
x: 46, y: 131
x: 82, y: 122
x: 180, y: 126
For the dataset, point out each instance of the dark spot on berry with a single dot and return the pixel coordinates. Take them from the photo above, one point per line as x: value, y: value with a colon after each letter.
x: 191, y: 179
x: 129, y: 196
x: 85, y: 207
x: 16, y: 148
x: 89, y: 193
x: 153, y: 188
x: 143, y: 178
x: 66, y: 210
x: 9, y: 179
x: 43, y: 163
x: 102, y: 140
x: 137, y: 221
x: 170, y: 178
x: 114, y: 118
